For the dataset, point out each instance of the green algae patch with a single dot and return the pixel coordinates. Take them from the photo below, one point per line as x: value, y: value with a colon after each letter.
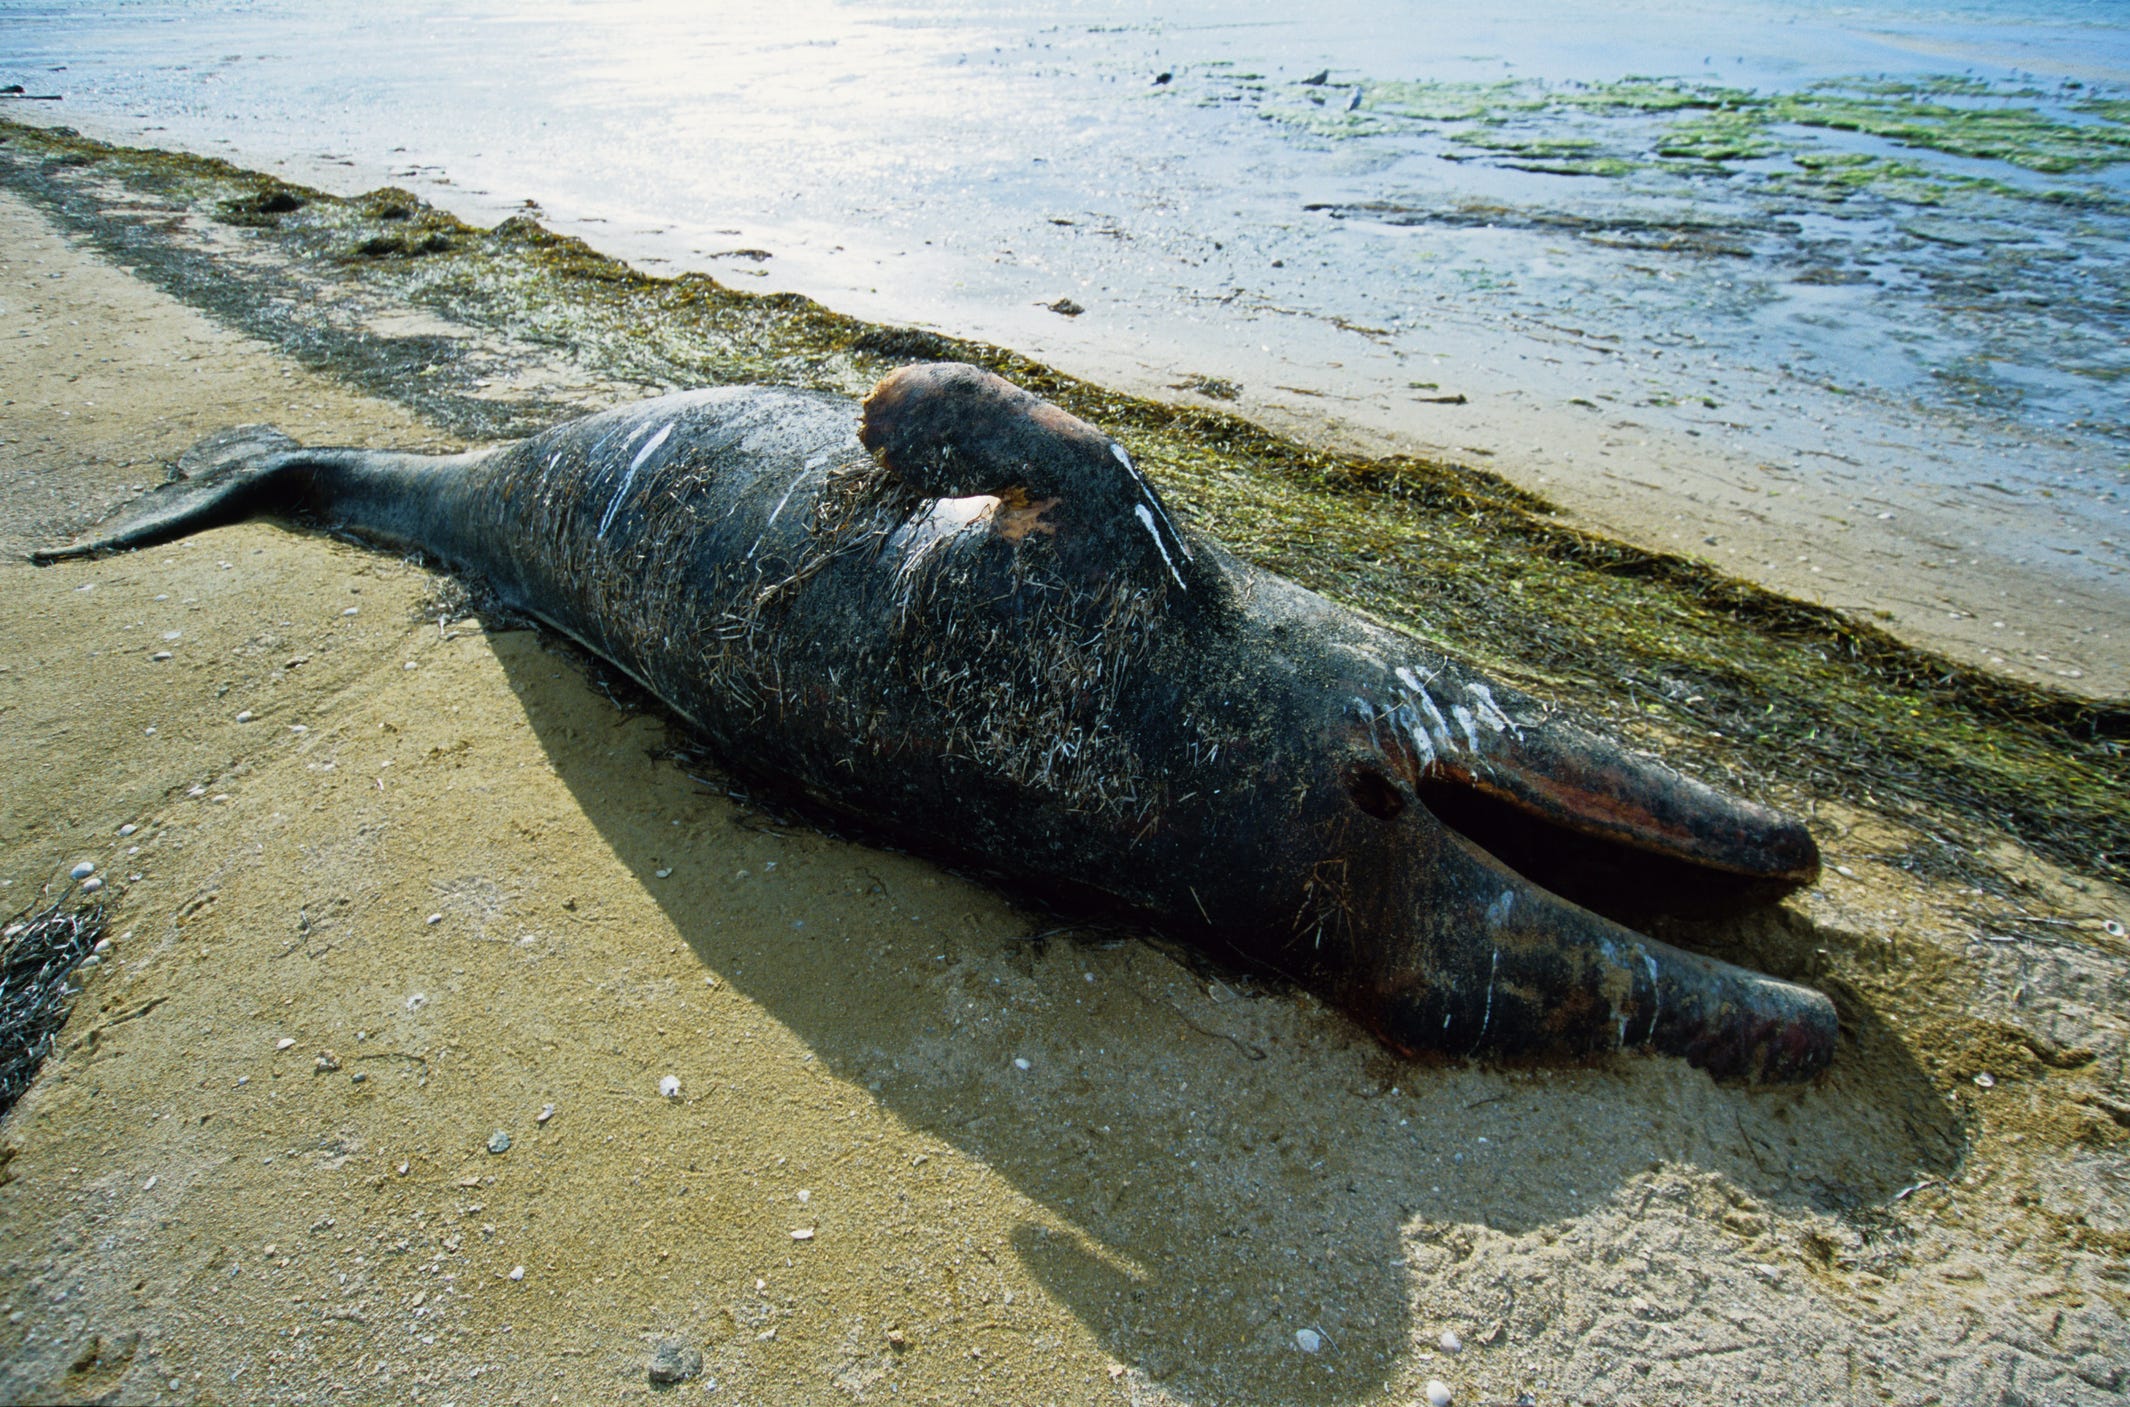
x: 1448, y: 102
x: 2019, y: 136
x: 1558, y: 156
x: 1727, y: 135
x: 1668, y: 652
x: 1958, y: 116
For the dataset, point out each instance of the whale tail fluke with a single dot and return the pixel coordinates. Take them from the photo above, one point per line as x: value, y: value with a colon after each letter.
x: 229, y: 449
x: 220, y: 480
x: 257, y: 471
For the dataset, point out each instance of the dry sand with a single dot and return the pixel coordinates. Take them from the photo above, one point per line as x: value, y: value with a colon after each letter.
x: 439, y: 882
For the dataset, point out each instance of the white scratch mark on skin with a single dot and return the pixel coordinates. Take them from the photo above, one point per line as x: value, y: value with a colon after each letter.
x: 1368, y: 716
x: 1656, y: 999
x: 1409, y: 679
x: 1437, y: 724
x: 1486, y: 1017
x: 629, y: 478
x: 789, y: 490
x: 599, y: 445
x: 1153, y: 501
x: 1146, y: 517
x: 1490, y: 712
x: 1410, y: 721
x: 1463, y: 716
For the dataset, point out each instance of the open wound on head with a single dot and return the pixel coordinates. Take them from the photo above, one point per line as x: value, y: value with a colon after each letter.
x: 1019, y: 514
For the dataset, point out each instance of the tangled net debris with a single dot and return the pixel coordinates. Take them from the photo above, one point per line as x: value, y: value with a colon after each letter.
x: 39, y: 951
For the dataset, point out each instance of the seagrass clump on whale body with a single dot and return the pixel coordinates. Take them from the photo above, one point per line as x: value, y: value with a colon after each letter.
x: 966, y: 620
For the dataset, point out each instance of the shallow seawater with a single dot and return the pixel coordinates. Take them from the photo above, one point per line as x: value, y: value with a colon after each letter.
x: 1879, y: 243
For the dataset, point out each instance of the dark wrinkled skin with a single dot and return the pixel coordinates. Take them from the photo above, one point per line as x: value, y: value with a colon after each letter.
x: 973, y: 626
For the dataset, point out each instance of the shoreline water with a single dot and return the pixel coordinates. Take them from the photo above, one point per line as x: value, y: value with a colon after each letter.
x: 1970, y: 533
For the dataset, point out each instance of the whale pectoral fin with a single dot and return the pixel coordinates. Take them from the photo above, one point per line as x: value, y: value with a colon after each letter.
x: 950, y: 430
x: 222, y: 479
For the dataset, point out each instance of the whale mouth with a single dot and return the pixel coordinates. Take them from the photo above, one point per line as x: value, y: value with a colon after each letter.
x: 1604, y: 871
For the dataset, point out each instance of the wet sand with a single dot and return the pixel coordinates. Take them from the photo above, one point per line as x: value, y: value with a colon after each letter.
x: 439, y: 858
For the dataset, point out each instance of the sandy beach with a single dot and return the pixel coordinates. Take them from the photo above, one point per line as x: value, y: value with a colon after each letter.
x: 401, y: 880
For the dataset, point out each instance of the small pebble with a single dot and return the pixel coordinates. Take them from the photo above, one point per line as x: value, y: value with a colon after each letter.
x: 149, y: 1185
x: 1308, y: 1340
x: 91, y: 885
x: 665, y: 873
x: 159, y: 656
x: 328, y: 1062
x: 804, y: 1233
x: 245, y: 716
x: 127, y: 829
x: 352, y: 610
x: 1438, y: 1393
x: 670, y: 1086
x: 84, y: 869
x: 499, y: 1142
x: 517, y: 1272
x: 673, y: 1362
x: 1021, y: 1063
x: 547, y: 1111
x: 1450, y: 1342
x: 1985, y: 1080
x: 284, y: 1043
x: 433, y: 919
x: 357, y: 1078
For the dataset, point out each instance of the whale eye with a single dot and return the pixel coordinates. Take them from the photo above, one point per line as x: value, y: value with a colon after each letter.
x: 1373, y: 792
